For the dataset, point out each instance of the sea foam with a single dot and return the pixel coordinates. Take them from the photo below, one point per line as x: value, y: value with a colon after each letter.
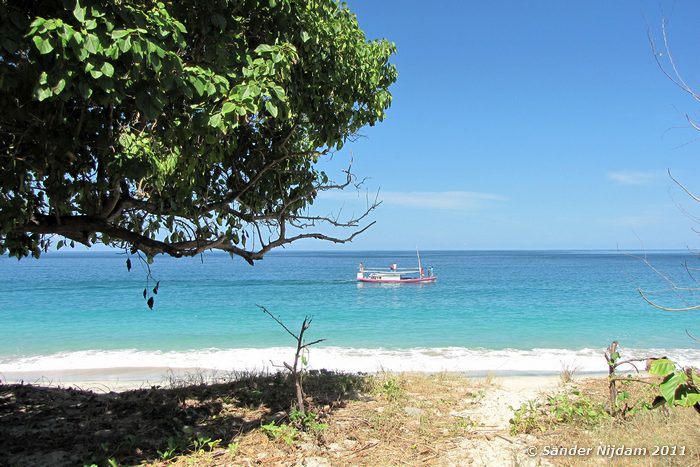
x: 453, y: 359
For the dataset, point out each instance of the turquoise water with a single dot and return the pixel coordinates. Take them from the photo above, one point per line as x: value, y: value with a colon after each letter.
x: 491, y: 301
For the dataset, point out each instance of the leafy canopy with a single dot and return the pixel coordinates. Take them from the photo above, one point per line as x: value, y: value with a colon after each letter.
x: 179, y: 126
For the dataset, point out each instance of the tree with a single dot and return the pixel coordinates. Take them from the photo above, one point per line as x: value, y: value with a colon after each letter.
x: 179, y: 126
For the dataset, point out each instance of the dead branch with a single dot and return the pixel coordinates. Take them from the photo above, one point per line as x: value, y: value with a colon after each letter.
x: 297, y: 371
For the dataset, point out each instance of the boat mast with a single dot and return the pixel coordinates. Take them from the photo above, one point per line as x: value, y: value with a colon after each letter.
x: 420, y: 269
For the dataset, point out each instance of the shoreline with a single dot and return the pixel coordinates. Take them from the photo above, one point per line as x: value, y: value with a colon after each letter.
x: 133, y: 378
x: 155, y: 366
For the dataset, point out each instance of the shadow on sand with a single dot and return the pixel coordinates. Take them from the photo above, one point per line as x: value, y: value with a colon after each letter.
x: 68, y: 426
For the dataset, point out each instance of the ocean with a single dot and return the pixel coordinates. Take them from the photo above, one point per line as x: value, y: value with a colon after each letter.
x: 502, y: 311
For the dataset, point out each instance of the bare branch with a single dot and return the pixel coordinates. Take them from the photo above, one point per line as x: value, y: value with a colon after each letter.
x: 688, y: 192
x: 692, y: 336
x: 277, y: 320
x: 312, y: 343
x: 676, y: 77
x: 655, y: 305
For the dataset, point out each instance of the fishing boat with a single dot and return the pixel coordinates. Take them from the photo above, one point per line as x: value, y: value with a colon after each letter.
x: 396, y: 275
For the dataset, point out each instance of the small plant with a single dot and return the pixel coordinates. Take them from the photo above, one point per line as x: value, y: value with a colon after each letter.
x: 301, y: 361
x: 680, y: 386
x: 391, y: 389
x: 171, y: 450
x: 576, y: 408
x: 307, y: 421
x: 202, y: 443
x: 232, y: 449
x: 528, y: 418
x: 568, y: 371
x: 464, y: 424
x: 571, y: 408
x: 619, y: 402
x: 167, y: 454
x: 287, y: 433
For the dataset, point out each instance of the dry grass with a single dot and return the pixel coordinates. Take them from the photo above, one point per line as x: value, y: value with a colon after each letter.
x: 384, y: 419
x: 413, y: 424
x: 401, y: 419
x: 648, y: 429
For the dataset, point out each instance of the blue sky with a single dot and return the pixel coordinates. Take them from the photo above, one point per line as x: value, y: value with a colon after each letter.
x: 529, y: 125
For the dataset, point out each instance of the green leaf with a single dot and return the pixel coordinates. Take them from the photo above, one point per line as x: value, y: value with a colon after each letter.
x: 119, y: 33
x: 198, y: 86
x: 79, y: 12
x: 662, y: 367
x: 43, y: 93
x: 690, y: 399
x: 670, y: 385
x: 180, y: 26
x: 263, y: 48
x: 305, y: 36
x: 59, y: 86
x: 228, y: 107
x: 92, y: 43
x: 271, y: 108
x: 124, y: 44
x: 128, y: 264
x: 107, y: 69
x: 279, y: 92
x: 42, y: 45
x: 215, y: 120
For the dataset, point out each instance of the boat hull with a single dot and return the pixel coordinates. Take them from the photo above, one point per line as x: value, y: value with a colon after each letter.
x: 398, y: 281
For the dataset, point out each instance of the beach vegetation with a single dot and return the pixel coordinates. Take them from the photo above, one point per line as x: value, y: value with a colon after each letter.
x: 640, y: 428
x: 679, y: 386
x: 283, y: 432
x: 436, y: 422
x: 201, y: 443
x: 308, y: 421
x: 301, y: 359
x: 389, y: 386
x: 180, y: 127
x: 232, y: 449
x: 298, y: 422
x: 171, y: 450
x: 571, y: 407
x: 567, y: 374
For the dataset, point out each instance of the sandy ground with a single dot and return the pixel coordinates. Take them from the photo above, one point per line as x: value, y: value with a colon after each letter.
x: 496, y: 447
x: 436, y: 419
x: 493, y: 445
